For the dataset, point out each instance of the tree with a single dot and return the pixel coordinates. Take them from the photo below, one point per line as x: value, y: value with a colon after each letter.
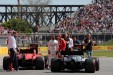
x: 38, y: 15
x: 18, y: 25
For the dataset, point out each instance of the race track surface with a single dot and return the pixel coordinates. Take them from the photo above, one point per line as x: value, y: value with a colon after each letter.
x: 106, y: 68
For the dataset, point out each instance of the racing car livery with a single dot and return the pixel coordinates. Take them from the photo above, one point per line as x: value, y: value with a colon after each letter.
x: 75, y: 60
x: 27, y: 58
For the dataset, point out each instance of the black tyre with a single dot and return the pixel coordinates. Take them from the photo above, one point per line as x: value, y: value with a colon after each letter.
x: 39, y: 63
x: 97, y: 63
x: 55, y: 65
x: 90, y: 65
x: 6, y: 62
x: 45, y: 60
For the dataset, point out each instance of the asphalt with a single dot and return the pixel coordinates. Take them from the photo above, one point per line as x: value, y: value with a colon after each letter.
x: 106, y: 68
x: 1, y: 59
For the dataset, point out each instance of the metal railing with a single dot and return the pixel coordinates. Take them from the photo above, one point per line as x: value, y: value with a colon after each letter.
x: 24, y: 39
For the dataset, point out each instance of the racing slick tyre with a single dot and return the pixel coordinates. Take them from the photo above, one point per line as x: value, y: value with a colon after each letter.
x: 97, y: 63
x: 6, y: 62
x: 55, y: 65
x: 90, y: 65
x: 39, y: 63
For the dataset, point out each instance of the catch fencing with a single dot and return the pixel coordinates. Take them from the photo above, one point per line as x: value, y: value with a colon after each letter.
x: 24, y: 39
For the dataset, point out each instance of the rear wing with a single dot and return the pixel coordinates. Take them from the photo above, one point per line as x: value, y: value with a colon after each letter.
x: 79, y: 47
x: 72, y: 53
x: 26, y: 51
x: 80, y: 51
x: 32, y: 48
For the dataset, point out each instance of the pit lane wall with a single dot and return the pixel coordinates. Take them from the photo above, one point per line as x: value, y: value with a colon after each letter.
x: 44, y: 50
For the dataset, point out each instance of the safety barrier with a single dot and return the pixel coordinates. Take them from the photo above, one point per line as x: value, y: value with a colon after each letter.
x: 102, y: 47
x: 3, y: 50
x: 44, y: 50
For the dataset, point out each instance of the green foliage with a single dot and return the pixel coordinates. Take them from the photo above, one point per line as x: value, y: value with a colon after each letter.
x: 108, y: 43
x: 19, y: 25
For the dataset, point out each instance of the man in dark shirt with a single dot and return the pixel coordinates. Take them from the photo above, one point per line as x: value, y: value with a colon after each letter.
x: 88, y: 43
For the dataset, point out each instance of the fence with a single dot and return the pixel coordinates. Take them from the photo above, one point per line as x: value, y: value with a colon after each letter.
x: 24, y: 39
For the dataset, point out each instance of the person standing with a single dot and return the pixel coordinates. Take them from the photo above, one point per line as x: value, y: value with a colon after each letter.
x: 88, y: 43
x: 52, y: 49
x: 12, y: 50
x: 61, y: 45
x: 75, y: 43
x: 69, y: 42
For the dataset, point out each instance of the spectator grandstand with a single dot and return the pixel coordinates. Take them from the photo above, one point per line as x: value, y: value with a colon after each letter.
x: 93, y: 18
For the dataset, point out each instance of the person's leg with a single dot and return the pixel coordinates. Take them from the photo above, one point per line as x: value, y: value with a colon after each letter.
x: 54, y: 54
x: 88, y: 53
x: 16, y: 62
x: 11, y: 59
x: 91, y: 53
x: 49, y: 60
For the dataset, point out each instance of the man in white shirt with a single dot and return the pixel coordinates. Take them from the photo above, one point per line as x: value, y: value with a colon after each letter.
x: 11, y: 43
x: 52, y: 49
x: 69, y: 41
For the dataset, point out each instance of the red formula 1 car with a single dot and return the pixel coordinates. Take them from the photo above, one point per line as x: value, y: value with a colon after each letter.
x: 27, y: 58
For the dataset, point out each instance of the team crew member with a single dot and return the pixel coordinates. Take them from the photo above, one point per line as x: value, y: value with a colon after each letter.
x: 11, y: 43
x: 88, y: 45
x: 53, y: 48
x: 75, y: 43
x: 61, y: 45
x: 69, y: 41
x: 75, y: 48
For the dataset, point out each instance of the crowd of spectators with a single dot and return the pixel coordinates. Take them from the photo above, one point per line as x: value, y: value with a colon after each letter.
x: 93, y: 18
x: 4, y: 30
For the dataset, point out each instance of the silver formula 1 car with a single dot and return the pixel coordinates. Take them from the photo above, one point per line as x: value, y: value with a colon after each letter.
x: 75, y: 60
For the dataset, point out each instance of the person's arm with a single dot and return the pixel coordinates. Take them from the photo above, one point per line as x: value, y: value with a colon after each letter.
x: 92, y: 42
x: 14, y: 42
x: 57, y: 45
x: 7, y: 41
x: 49, y: 47
x: 70, y: 43
x: 64, y: 45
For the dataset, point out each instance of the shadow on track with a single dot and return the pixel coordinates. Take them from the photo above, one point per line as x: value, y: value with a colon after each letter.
x: 67, y: 71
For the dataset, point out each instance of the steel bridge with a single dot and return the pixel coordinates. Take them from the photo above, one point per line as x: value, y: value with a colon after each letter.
x: 38, y: 14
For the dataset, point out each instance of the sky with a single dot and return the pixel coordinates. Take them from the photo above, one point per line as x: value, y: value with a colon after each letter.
x: 53, y: 2
x: 56, y: 2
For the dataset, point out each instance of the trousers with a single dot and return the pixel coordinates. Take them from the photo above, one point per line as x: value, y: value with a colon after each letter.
x: 51, y: 55
x: 13, y: 58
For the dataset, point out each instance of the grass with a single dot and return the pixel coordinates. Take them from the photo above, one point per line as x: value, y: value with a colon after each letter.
x: 107, y: 43
x: 103, y: 53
